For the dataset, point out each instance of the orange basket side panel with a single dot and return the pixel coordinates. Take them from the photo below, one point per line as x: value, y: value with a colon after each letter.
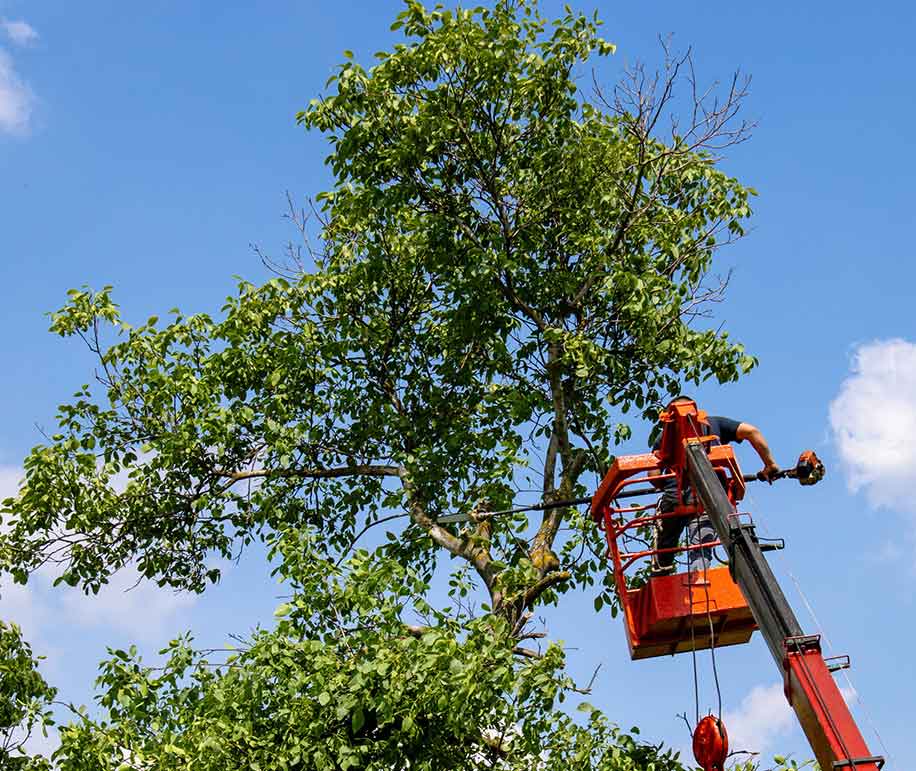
x: 671, y: 614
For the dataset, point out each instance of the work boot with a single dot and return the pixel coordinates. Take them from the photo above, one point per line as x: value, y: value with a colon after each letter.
x: 658, y: 570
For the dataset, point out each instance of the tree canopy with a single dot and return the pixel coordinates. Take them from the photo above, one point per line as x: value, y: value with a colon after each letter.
x: 504, y: 267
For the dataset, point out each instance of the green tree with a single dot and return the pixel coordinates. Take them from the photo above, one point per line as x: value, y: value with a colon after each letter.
x: 25, y: 700
x: 506, y: 265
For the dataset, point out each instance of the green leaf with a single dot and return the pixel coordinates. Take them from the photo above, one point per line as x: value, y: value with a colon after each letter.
x: 357, y: 720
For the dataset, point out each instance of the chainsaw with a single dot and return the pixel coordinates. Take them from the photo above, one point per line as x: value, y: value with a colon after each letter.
x: 808, y: 471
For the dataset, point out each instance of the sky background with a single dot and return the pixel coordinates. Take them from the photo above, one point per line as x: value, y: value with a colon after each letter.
x: 149, y: 146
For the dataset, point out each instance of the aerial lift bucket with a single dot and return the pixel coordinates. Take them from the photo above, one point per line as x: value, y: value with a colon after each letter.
x: 674, y: 613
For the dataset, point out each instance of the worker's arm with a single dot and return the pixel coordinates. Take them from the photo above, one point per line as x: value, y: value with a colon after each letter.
x: 759, y: 443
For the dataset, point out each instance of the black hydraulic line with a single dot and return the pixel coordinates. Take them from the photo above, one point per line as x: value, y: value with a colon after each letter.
x: 748, y: 566
x: 536, y: 507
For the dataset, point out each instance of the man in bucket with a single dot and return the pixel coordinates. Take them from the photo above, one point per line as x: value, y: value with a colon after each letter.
x: 668, y: 531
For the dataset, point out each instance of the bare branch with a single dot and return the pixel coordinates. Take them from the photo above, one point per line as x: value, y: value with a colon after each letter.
x: 551, y: 579
x: 588, y: 688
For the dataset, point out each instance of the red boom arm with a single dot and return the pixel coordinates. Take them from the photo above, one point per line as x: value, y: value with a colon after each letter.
x: 687, y: 454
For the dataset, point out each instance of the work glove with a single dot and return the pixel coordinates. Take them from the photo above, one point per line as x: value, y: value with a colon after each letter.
x: 770, y: 472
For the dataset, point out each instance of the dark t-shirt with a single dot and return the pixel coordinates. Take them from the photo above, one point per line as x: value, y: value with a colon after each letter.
x: 725, y: 428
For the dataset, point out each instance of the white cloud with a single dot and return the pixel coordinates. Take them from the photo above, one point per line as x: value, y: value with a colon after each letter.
x: 10, y: 477
x: 139, y: 608
x: 20, y: 605
x: 16, y: 99
x: 19, y: 32
x: 39, y: 744
x: 873, y: 421
x: 135, y: 606
x: 763, y: 716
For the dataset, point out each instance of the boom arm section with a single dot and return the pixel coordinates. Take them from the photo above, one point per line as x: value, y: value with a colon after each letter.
x: 808, y: 684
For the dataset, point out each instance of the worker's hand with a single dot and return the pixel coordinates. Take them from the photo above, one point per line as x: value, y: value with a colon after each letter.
x: 770, y: 472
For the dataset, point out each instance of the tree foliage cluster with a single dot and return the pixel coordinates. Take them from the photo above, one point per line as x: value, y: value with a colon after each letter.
x: 342, y: 683
x: 505, y: 266
x: 25, y: 701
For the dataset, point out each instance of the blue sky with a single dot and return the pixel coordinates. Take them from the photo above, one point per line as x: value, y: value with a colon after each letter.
x: 147, y: 146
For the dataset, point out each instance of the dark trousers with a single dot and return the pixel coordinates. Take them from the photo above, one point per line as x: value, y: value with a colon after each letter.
x: 668, y: 534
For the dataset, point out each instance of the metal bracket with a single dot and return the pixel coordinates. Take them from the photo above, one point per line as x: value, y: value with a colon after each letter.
x: 802, y: 643
x: 854, y: 762
x: 771, y: 544
x: 836, y: 663
x: 739, y: 532
x: 739, y: 529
